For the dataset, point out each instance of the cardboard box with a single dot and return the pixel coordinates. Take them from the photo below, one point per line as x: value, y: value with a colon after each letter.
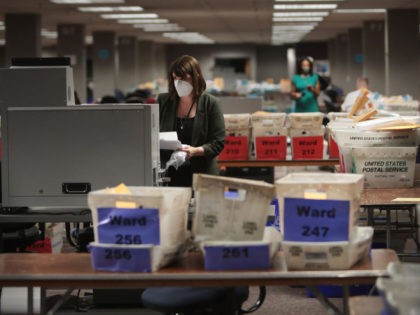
x: 230, y: 209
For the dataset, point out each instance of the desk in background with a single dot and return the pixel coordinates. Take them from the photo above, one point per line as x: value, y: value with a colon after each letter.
x: 273, y: 163
x: 384, y: 199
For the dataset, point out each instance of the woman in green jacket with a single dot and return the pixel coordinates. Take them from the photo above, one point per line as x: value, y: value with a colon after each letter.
x: 305, y: 87
x: 195, y: 116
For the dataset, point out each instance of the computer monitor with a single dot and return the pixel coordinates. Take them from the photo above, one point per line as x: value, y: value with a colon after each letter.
x: 240, y: 105
x: 53, y: 156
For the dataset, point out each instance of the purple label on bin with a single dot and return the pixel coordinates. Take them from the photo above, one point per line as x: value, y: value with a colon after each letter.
x: 276, y: 223
x: 128, y: 226
x: 312, y: 220
x: 247, y: 257
x: 121, y: 259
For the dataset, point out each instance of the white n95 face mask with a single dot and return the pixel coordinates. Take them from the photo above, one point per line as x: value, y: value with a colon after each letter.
x: 183, y: 88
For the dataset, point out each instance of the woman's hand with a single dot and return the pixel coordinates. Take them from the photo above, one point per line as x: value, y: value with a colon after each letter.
x: 296, y: 95
x: 193, y: 151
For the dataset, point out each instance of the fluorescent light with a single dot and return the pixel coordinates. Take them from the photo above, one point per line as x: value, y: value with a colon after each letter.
x: 162, y: 28
x: 189, y: 37
x: 86, y: 1
x: 145, y: 21
x: 295, y: 14
x: 2, y: 27
x: 111, y: 9
x: 360, y: 11
x: 130, y: 16
x: 326, y: 6
x: 309, y: 0
x: 49, y: 34
x: 156, y: 26
x: 294, y: 27
x: 88, y: 39
x: 298, y: 19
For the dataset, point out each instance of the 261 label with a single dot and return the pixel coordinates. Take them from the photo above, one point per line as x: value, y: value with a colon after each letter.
x: 229, y: 253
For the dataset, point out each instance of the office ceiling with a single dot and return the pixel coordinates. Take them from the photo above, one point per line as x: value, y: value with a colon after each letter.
x: 223, y: 21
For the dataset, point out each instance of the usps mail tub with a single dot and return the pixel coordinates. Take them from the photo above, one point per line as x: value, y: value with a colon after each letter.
x: 269, y: 136
x: 131, y: 258
x: 242, y: 255
x: 148, y: 215
x: 385, y: 167
x: 308, y: 190
x: 230, y: 208
x: 267, y: 124
x: 337, y: 116
x: 237, y: 124
x: 403, y: 271
x: 404, y: 302
x: 305, y: 120
x: 328, y: 255
x: 346, y: 139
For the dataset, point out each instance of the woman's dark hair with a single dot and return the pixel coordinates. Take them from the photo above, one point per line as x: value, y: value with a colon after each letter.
x: 181, y: 67
x: 311, y: 65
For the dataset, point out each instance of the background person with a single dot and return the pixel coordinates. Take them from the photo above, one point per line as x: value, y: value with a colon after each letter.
x: 305, y: 87
x: 362, y: 83
x: 195, y: 116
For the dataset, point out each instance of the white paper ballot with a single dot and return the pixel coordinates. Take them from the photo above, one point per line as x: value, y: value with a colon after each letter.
x: 169, y: 141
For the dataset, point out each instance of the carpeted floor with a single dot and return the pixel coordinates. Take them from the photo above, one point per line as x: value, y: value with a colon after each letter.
x: 284, y: 300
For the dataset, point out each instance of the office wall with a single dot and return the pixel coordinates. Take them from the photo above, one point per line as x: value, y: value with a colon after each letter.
x: 151, y: 61
x: 317, y: 50
x: 2, y: 56
x: 206, y: 55
x: 271, y: 62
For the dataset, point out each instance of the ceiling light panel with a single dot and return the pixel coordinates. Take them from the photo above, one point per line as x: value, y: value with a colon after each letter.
x: 309, y: 0
x: 360, y: 11
x: 49, y: 34
x: 324, y: 6
x: 294, y: 27
x: 298, y: 19
x: 189, y: 37
x: 143, y: 21
x: 86, y: 1
x: 300, y: 14
x: 111, y: 9
x: 130, y: 16
x: 163, y: 28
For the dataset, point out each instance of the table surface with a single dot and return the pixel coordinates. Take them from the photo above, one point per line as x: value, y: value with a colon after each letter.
x: 365, y: 305
x: 74, y: 270
x: 273, y: 163
x: 371, y: 197
x: 52, y: 215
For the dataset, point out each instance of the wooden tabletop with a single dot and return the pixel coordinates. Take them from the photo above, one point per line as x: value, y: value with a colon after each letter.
x: 371, y: 197
x: 366, y: 305
x: 75, y: 270
x: 273, y: 163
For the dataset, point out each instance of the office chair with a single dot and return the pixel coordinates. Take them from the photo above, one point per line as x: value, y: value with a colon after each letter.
x: 197, y: 300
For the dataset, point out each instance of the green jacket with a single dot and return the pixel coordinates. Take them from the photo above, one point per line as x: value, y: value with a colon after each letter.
x: 208, y: 129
